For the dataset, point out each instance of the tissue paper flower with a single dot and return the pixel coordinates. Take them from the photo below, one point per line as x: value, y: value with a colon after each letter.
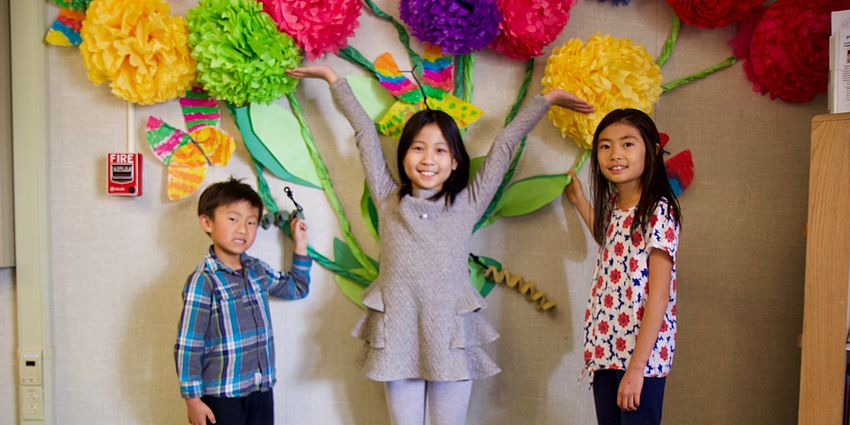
x: 789, y: 49
x: 528, y: 26
x: 318, y: 26
x: 139, y: 48
x: 79, y: 5
x: 713, y: 14
x: 457, y: 26
x: 242, y: 57
x: 609, y: 73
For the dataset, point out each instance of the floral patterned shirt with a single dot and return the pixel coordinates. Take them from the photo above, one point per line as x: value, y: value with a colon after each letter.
x: 619, y: 292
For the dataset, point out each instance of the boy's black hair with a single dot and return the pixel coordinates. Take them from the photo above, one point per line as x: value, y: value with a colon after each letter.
x: 654, y: 182
x: 226, y: 193
x: 459, y: 177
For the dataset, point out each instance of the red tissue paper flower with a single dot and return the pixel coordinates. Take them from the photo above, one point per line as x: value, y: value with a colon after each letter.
x: 527, y: 26
x: 713, y: 13
x: 787, y: 51
x: 318, y: 26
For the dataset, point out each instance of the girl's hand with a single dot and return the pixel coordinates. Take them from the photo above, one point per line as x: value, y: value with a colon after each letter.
x: 198, y: 412
x: 628, y: 395
x: 323, y: 72
x: 299, y: 235
x: 568, y: 100
x: 574, y: 191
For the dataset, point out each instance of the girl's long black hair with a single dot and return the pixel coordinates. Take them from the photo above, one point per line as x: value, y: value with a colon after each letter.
x: 654, y: 183
x: 459, y: 177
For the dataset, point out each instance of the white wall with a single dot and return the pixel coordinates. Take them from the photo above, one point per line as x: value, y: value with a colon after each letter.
x: 8, y: 334
x: 119, y: 264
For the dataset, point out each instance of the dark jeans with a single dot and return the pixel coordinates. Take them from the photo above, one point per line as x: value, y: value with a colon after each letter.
x: 605, y: 385
x: 254, y: 409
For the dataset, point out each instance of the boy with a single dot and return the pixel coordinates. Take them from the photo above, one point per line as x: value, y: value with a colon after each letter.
x: 225, y: 346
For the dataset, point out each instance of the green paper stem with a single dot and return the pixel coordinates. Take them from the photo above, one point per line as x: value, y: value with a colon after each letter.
x: 579, y: 164
x: 523, y: 91
x: 731, y: 60
x: 272, y: 207
x: 667, y: 50
x: 354, y: 56
x: 415, y: 59
x: 463, y: 76
x: 458, y: 73
x: 327, y: 185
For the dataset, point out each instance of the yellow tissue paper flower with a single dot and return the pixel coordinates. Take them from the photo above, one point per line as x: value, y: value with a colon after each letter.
x: 139, y: 48
x: 609, y: 73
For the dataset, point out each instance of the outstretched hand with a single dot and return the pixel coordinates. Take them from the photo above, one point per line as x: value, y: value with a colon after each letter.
x: 568, y: 100
x: 323, y: 72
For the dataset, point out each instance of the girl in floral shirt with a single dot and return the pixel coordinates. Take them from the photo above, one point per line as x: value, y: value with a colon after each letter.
x: 630, y: 319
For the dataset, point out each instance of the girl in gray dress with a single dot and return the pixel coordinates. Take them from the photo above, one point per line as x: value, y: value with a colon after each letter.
x: 423, y: 329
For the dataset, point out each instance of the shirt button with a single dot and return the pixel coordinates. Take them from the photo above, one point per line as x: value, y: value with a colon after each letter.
x: 423, y: 216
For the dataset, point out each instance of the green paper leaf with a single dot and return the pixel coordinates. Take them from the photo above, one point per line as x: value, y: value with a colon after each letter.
x: 530, y: 194
x: 375, y: 99
x: 474, y: 165
x: 258, y: 150
x: 476, y: 275
x: 352, y: 291
x: 344, y: 257
x: 369, y: 212
x: 280, y: 133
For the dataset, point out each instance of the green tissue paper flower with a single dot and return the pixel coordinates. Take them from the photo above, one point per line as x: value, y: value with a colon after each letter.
x: 241, y: 55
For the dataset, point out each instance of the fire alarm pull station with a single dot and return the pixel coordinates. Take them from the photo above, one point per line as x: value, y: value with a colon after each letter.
x: 124, y: 174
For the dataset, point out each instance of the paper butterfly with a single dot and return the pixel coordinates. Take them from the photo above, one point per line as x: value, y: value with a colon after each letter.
x: 188, y: 155
x: 437, y: 84
x: 680, y: 168
x: 65, y: 30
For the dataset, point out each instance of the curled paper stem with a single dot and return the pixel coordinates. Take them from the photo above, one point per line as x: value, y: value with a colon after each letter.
x: 667, y: 50
x: 518, y: 283
x: 415, y: 59
x: 731, y: 60
x: 328, y: 187
x: 354, y: 56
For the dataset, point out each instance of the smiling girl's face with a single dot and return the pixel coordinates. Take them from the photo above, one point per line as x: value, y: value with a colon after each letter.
x: 428, y: 162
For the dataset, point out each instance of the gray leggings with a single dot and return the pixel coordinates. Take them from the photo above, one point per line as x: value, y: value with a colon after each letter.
x: 447, y: 401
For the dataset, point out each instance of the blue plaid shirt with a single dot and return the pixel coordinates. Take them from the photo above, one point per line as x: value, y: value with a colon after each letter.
x: 225, y: 343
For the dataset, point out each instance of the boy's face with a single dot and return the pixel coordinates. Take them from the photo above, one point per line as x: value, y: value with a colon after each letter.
x: 232, y: 229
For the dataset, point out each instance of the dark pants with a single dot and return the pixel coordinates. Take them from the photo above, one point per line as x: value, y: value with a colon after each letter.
x: 605, y: 385
x: 254, y: 409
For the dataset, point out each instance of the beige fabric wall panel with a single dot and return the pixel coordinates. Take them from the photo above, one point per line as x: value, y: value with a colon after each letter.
x: 119, y: 264
x: 8, y: 354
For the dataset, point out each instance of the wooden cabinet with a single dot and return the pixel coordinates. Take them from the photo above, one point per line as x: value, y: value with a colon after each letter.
x: 825, y: 318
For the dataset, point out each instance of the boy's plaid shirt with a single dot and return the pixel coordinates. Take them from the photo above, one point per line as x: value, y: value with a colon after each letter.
x: 225, y: 343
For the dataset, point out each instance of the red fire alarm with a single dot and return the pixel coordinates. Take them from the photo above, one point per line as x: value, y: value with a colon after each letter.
x: 124, y: 174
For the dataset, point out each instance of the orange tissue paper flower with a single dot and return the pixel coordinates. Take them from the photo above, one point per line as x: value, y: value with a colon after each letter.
x: 609, y: 73
x: 139, y: 48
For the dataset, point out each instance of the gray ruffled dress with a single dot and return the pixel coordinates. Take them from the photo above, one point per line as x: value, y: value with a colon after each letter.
x: 424, y: 316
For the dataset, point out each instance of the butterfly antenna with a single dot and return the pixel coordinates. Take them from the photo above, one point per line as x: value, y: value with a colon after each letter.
x: 421, y: 89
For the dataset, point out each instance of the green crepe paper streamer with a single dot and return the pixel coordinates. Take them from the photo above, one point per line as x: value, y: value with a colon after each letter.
x: 476, y: 275
x: 530, y: 194
x: 667, y: 50
x: 369, y: 212
x: 327, y: 185
x: 375, y: 99
x: 488, y: 216
x: 354, y: 56
x: 241, y: 56
x: 278, y: 130
x: 275, y: 216
x: 415, y: 59
x: 351, y: 290
x: 468, y: 63
x: 258, y: 150
x: 731, y: 60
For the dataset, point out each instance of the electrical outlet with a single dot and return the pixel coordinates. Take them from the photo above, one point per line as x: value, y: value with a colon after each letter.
x: 32, y: 403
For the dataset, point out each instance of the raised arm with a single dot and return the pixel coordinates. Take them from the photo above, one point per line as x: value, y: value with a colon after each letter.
x: 575, y: 194
x: 378, y: 176
x: 489, y: 177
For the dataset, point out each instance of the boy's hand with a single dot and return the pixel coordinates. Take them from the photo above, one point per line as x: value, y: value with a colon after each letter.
x: 568, y: 100
x: 316, y: 71
x: 198, y: 412
x: 299, y: 235
x: 628, y: 395
x: 574, y: 190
